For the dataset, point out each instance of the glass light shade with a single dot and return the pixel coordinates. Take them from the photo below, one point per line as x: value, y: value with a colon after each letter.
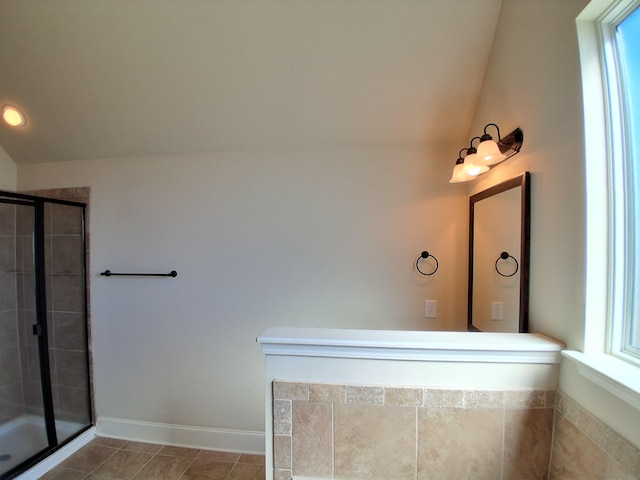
x: 471, y: 167
x: 12, y: 116
x: 459, y: 175
x: 489, y: 153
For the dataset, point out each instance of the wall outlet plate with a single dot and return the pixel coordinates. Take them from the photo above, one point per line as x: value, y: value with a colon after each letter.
x: 430, y: 308
x: 497, y: 310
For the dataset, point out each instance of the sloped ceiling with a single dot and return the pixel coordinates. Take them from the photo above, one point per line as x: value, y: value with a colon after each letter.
x: 119, y: 78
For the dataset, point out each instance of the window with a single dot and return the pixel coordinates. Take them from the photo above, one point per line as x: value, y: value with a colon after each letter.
x: 621, y: 48
x: 609, y: 60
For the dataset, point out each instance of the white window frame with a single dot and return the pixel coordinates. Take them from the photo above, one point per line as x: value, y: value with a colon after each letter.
x: 602, y: 359
x: 619, y: 321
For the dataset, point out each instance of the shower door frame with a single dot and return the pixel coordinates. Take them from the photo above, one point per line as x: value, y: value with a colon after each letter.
x: 40, y: 329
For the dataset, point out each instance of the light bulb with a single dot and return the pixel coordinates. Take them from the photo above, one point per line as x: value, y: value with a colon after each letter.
x: 12, y: 116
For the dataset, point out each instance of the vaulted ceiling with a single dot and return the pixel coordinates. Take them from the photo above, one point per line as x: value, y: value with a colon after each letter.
x: 120, y: 78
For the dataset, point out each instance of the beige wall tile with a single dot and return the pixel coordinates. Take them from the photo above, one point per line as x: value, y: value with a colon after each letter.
x: 365, y: 395
x: 290, y: 390
x: 312, y: 438
x: 479, y: 399
x: 592, y: 427
x: 443, y: 398
x: 280, y: 474
x: 617, y: 472
x: 375, y: 442
x: 527, y: 443
x: 575, y: 455
x: 282, y: 451
x: 282, y: 417
x: 524, y: 399
x: 408, y: 397
x: 621, y: 450
x: 458, y: 443
x: 321, y: 392
x: 551, y: 398
x: 567, y: 408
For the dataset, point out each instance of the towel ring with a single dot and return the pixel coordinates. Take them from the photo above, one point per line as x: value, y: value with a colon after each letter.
x: 505, y: 256
x: 426, y: 255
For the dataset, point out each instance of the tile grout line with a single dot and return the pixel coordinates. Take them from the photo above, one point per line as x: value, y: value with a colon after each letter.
x: 232, y: 468
x: 146, y: 463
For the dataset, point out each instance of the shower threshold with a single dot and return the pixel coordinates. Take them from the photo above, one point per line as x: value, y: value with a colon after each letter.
x: 26, y: 435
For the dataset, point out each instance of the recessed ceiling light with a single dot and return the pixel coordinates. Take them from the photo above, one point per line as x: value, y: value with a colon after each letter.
x: 13, y: 117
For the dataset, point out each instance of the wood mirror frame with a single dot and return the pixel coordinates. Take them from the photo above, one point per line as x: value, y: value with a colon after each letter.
x: 523, y: 181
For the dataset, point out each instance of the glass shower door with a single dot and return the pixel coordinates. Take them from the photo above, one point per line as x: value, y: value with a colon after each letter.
x: 65, y: 282
x: 23, y: 430
x: 44, y: 367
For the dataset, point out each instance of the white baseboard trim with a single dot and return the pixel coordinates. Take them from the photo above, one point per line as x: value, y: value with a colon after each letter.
x: 58, y: 456
x: 240, y: 441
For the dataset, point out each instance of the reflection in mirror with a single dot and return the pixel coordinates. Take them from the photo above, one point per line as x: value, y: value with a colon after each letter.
x: 499, y: 220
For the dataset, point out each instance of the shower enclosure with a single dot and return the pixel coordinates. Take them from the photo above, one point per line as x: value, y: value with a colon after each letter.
x: 44, y: 368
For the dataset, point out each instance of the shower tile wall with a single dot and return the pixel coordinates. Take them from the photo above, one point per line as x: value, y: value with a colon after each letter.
x: 11, y: 392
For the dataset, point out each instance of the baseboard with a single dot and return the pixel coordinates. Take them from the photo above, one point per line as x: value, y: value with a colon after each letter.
x: 183, y: 436
x: 58, y: 456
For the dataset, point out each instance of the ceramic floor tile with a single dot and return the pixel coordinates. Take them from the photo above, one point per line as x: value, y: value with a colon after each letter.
x: 162, y: 467
x: 252, y: 459
x: 207, y: 470
x: 214, y: 456
x: 114, y: 459
x: 88, y: 458
x: 62, y: 473
x: 179, y: 452
x: 142, y: 447
x: 124, y: 464
x: 247, y: 471
x: 109, y: 442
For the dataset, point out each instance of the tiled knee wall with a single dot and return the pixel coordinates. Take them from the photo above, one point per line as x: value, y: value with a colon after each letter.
x: 374, y: 432
x: 586, y: 448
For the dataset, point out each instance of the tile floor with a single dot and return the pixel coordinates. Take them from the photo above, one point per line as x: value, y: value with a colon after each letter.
x: 111, y: 459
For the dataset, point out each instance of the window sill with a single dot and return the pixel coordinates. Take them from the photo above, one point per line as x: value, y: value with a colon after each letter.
x: 614, y: 375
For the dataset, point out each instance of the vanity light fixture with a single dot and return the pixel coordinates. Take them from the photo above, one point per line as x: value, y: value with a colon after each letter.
x: 13, y: 117
x: 488, y: 154
x: 488, y: 151
x: 468, y: 168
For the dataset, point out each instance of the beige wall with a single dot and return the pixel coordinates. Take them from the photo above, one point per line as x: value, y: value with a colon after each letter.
x: 324, y: 238
x: 533, y: 81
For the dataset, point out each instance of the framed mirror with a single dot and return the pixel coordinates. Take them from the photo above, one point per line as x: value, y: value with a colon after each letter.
x: 499, y: 232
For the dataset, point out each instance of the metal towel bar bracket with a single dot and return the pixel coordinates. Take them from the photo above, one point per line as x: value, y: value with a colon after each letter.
x: 109, y: 273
